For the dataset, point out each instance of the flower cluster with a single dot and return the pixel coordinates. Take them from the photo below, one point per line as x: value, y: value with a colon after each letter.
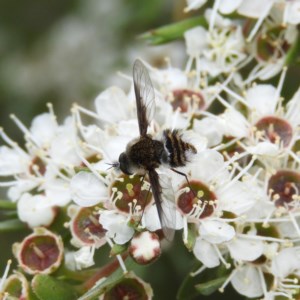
x: 235, y: 200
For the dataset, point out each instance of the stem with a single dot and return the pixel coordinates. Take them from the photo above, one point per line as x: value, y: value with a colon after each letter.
x: 101, y: 273
x: 6, y: 204
x: 12, y: 225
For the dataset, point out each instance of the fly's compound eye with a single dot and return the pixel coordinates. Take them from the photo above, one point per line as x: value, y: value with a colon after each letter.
x: 124, y: 163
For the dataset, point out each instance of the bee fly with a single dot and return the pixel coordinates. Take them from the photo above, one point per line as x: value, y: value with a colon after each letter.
x: 144, y: 154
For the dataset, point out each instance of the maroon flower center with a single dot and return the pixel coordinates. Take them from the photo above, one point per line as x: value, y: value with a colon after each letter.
x: 276, y: 130
x: 128, y: 193
x: 40, y: 252
x: 284, y: 187
x: 184, y: 98
x: 198, y: 201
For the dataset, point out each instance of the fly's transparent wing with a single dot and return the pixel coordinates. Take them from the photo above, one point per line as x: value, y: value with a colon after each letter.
x: 145, y: 96
x: 164, y: 199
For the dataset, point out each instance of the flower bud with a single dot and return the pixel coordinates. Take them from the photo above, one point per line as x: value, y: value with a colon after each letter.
x: 145, y: 247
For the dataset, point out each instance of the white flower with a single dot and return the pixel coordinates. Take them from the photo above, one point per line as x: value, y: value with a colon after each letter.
x: 35, y: 210
x: 116, y: 226
x: 87, y: 190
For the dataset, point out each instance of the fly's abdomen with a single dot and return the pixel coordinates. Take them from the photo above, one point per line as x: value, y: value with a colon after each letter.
x: 178, y: 150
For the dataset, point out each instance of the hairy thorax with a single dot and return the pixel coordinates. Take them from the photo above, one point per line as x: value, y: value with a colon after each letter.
x: 146, y: 153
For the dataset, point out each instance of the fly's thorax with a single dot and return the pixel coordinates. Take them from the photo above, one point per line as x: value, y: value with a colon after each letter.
x: 179, y: 151
x: 142, y: 154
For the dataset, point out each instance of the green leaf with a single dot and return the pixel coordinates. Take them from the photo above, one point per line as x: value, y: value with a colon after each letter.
x: 48, y: 288
x: 210, y: 287
x: 208, y: 281
x: 12, y: 225
x: 173, y: 31
x: 191, y: 238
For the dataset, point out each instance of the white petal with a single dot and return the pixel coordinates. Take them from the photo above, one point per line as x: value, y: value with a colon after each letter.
x: 63, y: 150
x: 15, y: 192
x: 43, y: 129
x: 196, y: 40
x: 206, y: 164
x: 293, y: 12
x: 229, y: 6
x: 286, y: 262
x: 264, y: 148
x: 233, y: 123
x: 209, y: 128
x: 262, y: 99
x: 57, y: 192
x: 151, y: 219
x: 255, y: 8
x: 243, y: 249
x: 206, y: 253
x: 238, y: 198
x: 87, y: 190
x: 216, y: 232
x: 11, y: 162
x: 112, y: 105
x: 34, y: 210
x: 246, y: 281
x: 116, y: 226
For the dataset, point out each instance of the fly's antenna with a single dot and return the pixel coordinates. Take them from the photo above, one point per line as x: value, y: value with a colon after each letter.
x: 115, y: 165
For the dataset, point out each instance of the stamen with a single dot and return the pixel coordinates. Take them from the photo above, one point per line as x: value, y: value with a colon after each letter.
x: 51, y: 111
x: 222, y: 259
x: 12, y: 144
x: 4, y: 277
x: 227, y: 281
x: 262, y: 281
x: 200, y: 270
x: 24, y: 129
x: 242, y: 173
x: 258, y: 23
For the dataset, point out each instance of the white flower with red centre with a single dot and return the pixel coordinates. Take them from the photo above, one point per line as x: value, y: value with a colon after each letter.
x: 145, y: 247
x: 218, y: 50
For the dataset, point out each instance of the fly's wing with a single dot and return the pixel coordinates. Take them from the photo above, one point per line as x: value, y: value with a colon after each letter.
x: 145, y: 96
x: 164, y: 199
